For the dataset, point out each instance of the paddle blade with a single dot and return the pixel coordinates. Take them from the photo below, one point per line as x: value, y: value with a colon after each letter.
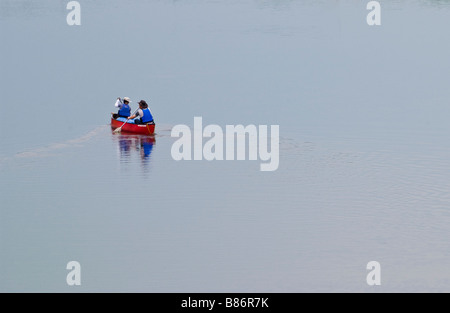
x: 117, y: 130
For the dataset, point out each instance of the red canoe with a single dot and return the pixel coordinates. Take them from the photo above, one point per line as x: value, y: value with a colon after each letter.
x: 148, y: 129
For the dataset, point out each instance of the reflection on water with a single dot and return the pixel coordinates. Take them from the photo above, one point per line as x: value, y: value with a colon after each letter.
x: 130, y: 144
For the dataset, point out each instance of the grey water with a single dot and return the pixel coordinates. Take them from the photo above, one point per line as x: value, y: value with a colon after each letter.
x: 364, y: 146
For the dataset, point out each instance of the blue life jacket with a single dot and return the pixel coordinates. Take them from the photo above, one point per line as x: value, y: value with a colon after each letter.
x: 125, y: 110
x: 147, y: 116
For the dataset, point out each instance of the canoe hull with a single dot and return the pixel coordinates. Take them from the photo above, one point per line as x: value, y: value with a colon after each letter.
x: 148, y: 129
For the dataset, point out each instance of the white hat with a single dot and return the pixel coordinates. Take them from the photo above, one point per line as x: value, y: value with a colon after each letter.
x: 127, y: 99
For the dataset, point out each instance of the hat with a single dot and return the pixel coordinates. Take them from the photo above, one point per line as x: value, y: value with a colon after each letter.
x: 127, y: 99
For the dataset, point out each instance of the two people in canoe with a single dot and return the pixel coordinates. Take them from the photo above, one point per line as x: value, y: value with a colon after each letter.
x: 142, y: 116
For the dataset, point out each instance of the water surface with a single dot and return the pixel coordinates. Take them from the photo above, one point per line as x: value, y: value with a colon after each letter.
x: 364, y: 148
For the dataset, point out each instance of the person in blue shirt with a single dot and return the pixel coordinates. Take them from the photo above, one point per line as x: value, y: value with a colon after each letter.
x: 143, y: 115
x: 124, y: 108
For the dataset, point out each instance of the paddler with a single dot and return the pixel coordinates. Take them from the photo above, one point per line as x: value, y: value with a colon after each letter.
x: 143, y: 115
x: 124, y: 108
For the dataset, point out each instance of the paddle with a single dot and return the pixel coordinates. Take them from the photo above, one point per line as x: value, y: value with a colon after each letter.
x: 118, y: 130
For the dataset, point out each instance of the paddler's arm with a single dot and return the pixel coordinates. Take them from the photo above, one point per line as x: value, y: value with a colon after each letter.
x: 137, y: 114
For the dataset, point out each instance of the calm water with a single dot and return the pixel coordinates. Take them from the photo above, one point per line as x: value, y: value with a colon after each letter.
x: 364, y: 148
